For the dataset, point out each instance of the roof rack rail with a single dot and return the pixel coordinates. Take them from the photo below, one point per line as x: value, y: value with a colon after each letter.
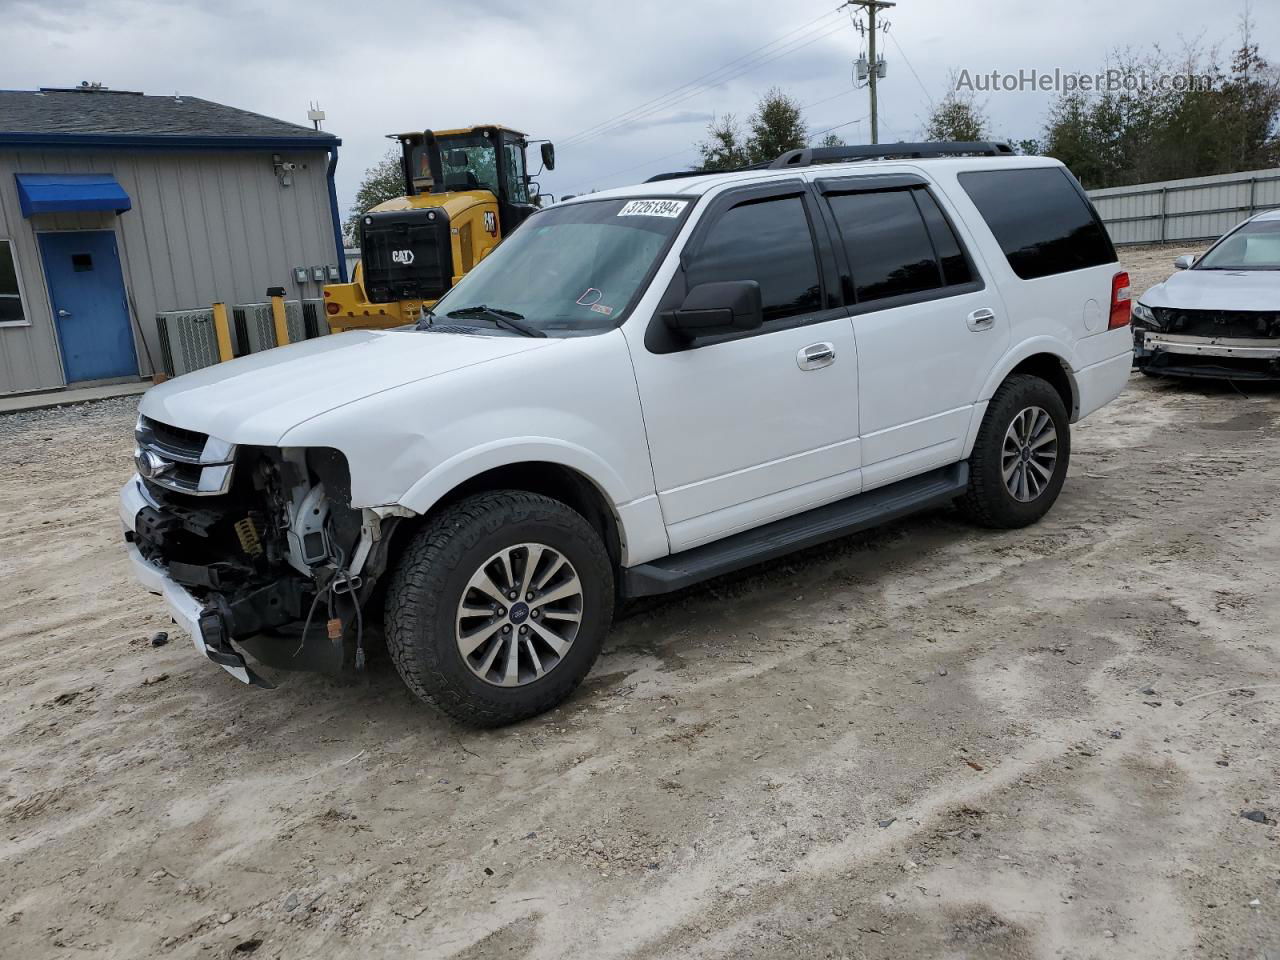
x: 681, y: 174
x: 808, y: 156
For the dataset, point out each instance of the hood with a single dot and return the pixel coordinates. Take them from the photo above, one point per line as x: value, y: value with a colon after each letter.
x: 1217, y: 290
x: 257, y: 399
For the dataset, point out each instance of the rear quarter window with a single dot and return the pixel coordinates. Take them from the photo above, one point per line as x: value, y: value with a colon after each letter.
x: 1042, y: 220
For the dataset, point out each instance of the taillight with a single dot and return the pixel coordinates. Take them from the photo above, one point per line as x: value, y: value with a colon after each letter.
x: 332, y: 308
x: 1120, y: 305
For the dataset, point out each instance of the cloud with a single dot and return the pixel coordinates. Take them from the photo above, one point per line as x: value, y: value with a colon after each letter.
x: 669, y: 120
x: 626, y: 76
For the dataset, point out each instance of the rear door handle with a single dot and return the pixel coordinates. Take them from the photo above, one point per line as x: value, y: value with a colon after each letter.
x: 816, y: 355
x: 64, y: 313
x: 984, y: 318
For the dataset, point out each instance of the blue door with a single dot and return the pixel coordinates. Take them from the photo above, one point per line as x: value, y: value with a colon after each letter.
x: 90, y: 311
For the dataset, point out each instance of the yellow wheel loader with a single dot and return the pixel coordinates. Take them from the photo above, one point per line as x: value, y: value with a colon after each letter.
x: 464, y: 191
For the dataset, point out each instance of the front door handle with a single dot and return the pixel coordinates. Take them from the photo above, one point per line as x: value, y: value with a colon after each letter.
x: 64, y: 313
x: 984, y: 318
x: 816, y: 355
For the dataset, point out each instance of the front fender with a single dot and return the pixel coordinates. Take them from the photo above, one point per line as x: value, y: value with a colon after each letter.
x: 641, y: 529
x: 458, y: 469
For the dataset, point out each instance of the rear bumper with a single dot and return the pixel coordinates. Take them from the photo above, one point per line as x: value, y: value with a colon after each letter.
x: 1212, y: 357
x: 1100, y: 383
x: 185, y: 609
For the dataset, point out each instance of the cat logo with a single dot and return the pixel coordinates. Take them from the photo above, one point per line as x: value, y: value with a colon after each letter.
x: 402, y: 256
x: 491, y: 222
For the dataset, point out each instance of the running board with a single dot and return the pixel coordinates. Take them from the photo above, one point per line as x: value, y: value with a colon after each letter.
x: 785, y: 536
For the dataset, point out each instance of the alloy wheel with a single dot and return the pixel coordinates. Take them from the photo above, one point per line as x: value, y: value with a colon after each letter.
x: 519, y: 614
x: 1030, y: 454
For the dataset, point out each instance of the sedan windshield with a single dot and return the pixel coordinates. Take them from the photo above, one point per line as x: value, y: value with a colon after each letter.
x: 572, y: 268
x: 1254, y: 246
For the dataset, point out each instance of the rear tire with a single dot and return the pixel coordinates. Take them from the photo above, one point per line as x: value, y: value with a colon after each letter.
x: 452, y: 641
x: 1019, y: 460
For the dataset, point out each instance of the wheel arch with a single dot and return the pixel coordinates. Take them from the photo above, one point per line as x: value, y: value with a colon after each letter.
x: 578, y: 481
x: 1043, y: 357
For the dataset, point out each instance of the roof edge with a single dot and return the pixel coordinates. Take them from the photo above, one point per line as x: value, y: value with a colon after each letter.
x: 166, y: 141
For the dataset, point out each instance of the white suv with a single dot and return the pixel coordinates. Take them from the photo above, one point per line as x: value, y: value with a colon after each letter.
x: 638, y: 390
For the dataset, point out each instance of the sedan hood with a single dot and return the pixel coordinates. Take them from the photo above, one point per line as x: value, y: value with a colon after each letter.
x: 1217, y: 290
x: 257, y: 399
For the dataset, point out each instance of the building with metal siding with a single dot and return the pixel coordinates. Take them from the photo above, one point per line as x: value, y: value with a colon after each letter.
x: 214, y: 212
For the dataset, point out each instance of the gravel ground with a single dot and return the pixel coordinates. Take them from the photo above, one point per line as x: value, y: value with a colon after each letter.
x: 924, y: 741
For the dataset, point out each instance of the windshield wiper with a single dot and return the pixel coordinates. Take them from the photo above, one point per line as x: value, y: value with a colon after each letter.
x: 507, y: 319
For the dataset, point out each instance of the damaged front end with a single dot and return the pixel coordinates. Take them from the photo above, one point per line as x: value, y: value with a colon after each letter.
x: 1214, y: 344
x: 256, y: 549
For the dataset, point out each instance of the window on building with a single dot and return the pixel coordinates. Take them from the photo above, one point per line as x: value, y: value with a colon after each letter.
x: 767, y: 241
x: 11, y: 311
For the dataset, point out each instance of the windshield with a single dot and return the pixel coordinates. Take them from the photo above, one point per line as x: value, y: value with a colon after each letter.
x: 573, y: 267
x: 1254, y: 246
x: 468, y: 163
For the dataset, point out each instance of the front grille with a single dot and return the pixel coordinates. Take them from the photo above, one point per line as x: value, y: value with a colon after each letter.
x: 1219, y: 323
x: 181, y: 460
x: 176, y: 440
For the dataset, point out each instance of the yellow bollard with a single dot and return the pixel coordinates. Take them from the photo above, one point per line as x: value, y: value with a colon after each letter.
x: 278, y: 315
x: 222, y: 329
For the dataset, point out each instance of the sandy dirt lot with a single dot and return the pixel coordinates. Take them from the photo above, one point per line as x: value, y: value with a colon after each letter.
x: 925, y: 741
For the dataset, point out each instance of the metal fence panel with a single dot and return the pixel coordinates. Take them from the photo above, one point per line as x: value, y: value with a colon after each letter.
x: 1184, y: 211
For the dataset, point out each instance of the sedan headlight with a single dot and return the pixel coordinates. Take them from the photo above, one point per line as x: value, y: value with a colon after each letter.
x: 1144, y: 314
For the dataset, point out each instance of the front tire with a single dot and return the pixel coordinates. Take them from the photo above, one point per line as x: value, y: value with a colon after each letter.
x: 499, y: 607
x: 1019, y: 460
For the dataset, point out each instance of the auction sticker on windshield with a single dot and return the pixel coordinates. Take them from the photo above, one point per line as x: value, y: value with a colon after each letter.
x: 653, y: 208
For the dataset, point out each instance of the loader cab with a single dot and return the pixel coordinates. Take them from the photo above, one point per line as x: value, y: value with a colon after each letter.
x: 488, y: 158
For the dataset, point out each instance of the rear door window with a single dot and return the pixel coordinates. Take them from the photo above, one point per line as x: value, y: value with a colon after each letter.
x: 889, y: 249
x: 768, y: 241
x: 1042, y: 220
x: 898, y: 243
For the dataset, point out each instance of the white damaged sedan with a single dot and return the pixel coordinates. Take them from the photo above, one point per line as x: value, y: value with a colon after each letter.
x: 1219, y: 316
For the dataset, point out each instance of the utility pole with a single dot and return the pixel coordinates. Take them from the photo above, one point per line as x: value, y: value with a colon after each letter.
x: 873, y: 72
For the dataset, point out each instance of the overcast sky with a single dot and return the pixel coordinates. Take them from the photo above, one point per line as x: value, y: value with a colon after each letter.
x: 556, y: 68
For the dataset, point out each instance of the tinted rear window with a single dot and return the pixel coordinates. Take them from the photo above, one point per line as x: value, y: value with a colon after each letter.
x: 888, y: 245
x: 1040, y: 219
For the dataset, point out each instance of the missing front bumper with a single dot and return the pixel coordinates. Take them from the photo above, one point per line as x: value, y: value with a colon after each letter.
x: 1177, y: 355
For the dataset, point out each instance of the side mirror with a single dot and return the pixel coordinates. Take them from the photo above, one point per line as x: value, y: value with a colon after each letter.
x: 549, y: 156
x: 1185, y: 262
x: 711, y: 309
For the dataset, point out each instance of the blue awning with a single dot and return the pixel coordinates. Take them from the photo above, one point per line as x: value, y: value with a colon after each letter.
x: 70, y: 193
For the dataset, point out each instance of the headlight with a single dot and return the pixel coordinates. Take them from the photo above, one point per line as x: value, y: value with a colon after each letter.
x: 1144, y: 313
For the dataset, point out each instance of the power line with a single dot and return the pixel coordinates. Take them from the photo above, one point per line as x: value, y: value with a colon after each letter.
x: 696, y: 80
x: 730, y: 71
x: 813, y: 136
x: 745, y: 69
x: 923, y: 88
x: 842, y: 93
x: 651, y: 160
